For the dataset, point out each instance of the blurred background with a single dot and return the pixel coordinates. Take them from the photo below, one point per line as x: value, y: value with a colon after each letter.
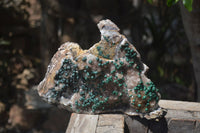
x: 32, y: 30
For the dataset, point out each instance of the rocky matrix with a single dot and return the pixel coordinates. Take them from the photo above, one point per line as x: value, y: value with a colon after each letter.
x: 109, y: 77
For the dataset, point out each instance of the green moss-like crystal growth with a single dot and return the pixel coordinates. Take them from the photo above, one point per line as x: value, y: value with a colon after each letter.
x: 92, y: 95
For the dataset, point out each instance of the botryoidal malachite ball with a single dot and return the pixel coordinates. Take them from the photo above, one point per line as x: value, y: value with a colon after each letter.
x: 108, y: 77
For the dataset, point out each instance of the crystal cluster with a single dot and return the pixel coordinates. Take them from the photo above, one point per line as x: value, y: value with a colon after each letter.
x: 109, y: 77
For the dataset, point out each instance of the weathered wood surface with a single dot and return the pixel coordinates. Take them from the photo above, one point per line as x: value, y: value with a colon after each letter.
x: 105, y: 123
x: 110, y: 123
x: 80, y: 123
x: 181, y: 110
x: 180, y: 105
x: 181, y: 117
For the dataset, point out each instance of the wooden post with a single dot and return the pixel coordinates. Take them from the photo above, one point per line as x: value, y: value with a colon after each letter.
x: 181, y: 117
x: 83, y: 123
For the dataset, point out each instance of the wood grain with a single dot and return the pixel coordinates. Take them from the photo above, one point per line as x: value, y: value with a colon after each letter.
x: 82, y: 123
x: 181, y: 117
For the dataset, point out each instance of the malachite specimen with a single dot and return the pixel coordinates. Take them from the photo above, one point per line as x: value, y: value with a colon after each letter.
x: 109, y: 77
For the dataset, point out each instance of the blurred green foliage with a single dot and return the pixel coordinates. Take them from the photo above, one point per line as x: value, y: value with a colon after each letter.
x: 186, y: 3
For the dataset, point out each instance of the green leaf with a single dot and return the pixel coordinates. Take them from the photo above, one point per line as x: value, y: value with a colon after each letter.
x: 150, y: 1
x: 171, y: 2
x: 188, y: 4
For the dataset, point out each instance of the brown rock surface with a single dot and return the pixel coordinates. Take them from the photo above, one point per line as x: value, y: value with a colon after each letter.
x: 109, y: 77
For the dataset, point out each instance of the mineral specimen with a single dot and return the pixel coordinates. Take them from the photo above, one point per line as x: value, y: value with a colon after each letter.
x: 109, y: 77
